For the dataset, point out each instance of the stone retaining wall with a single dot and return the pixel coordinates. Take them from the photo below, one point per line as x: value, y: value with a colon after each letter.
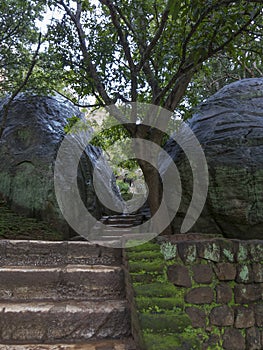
x: 197, y: 294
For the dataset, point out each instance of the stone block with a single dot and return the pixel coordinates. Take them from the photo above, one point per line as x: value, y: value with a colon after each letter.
x: 233, y: 340
x: 224, y: 293
x: 202, y: 273
x: 201, y: 295
x: 253, y: 339
x: 258, y: 309
x: 225, y: 271
x: 256, y: 250
x: 227, y: 248
x: 244, y: 274
x: 211, y: 342
x: 179, y: 276
x: 2, y: 252
x: 197, y: 316
x: 244, y: 317
x: 209, y: 250
x: 242, y: 250
x: 246, y: 293
x: 222, y: 316
x: 258, y: 273
x: 187, y: 251
x: 36, y: 253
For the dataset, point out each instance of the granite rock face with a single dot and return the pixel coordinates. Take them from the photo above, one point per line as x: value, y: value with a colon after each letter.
x: 229, y: 127
x: 28, y: 150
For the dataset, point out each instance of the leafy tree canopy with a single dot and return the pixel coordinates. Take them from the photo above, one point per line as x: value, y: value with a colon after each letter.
x: 154, y: 51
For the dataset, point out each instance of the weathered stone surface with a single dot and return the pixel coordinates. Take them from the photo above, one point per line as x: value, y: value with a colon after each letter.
x: 202, y: 273
x: 224, y: 293
x: 229, y: 126
x: 211, y: 342
x: 225, y: 271
x: 45, y: 253
x: 245, y: 294
x: 228, y: 249
x: 201, y: 295
x: 258, y: 309
x: 258, y: 272
x: 253, y: 339
x: 233, y: 340
x: 197, y: 316
x: 242, y: 250
x: 28, y: 150
x: 61, y: 283
x: 179, y: 275
x: 187, y: 251
x: 256, y: 250
x: 244, y: 317
x: 222, y: 316
x: 94, y: 345
x: 244, y: 273
x: 63, y: 321
x: 209, y: 250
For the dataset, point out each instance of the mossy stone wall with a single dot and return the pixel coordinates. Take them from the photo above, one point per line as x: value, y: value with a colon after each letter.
x: 196, y: 294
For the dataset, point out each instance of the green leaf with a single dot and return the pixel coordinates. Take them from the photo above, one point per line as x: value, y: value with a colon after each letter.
x: 174, y: 6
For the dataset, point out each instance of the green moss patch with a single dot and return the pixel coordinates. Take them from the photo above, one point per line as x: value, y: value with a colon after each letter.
x: 142, y: 255
x: 148, y: 266
x: 155, y: 290
x: 164, y: 322
x: 149, y: 246
x: 145, y: 304
x: 161, y: 341
x: 168, y: 341
x: 13, y: 226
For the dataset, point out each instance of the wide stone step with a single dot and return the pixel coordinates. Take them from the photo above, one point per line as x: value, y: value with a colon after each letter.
x: 46, y: 322
x: 45, y: 253
x: 61, y: 283
x: 125, y: 344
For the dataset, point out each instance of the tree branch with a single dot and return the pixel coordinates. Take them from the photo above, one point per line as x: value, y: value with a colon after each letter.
x: 125, y: 45
x: 86, y: 57
x: 78, y: 104
x: 148, y: 50
x: 185, y: 71
x: 6, y: 107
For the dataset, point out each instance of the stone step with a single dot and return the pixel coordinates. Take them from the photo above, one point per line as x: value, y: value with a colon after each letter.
x: 47, y: 253
x: 61, y: 283
x: 125, y: 344
x: 122, y: 225
x: 72, y: 321
x: 111, y: 228
x: 119, y: 221
x: 123, y: 217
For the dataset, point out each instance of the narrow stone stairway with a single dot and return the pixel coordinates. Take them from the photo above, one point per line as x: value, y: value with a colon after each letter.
x: 62, y: 295
x: 116, y: 228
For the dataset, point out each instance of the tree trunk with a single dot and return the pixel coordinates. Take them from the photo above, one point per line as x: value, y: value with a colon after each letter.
x: 160, y: 222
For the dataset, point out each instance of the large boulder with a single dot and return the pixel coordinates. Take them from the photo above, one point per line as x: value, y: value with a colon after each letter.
x: 28, y: 148
x: 229, y: 126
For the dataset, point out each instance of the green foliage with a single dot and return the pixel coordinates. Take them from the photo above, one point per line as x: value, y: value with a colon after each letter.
x: 124, y: 189
x: 194, y: 37
x: 71, y: 123
x: 200, y: 38
x: 19, y: 37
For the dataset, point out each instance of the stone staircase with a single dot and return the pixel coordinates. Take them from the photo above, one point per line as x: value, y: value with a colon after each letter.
x: 115, y: 230
x: 62, y: 295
